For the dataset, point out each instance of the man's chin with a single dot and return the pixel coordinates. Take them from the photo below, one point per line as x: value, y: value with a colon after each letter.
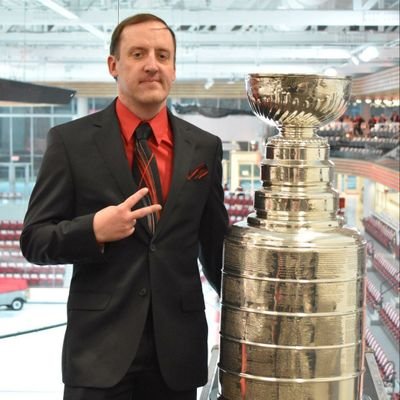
x: 153, y: 99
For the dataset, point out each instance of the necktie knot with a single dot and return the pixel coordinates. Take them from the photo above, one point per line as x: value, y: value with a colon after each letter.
x: 143, y: 131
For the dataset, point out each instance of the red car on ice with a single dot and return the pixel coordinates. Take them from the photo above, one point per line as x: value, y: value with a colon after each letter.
x: 13, y: 293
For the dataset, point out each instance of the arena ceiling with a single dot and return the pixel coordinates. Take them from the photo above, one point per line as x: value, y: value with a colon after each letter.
x: 67, y: 40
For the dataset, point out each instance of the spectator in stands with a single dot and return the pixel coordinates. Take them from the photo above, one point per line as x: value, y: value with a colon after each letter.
x: 357, y: 127
x: 239, y: 191
x: 382, y: 119
x: 371, y: 122
x: 136, y: 322
x: 395, y: 117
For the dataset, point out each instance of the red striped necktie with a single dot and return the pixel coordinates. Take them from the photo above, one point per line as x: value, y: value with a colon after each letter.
x: 145, y: 171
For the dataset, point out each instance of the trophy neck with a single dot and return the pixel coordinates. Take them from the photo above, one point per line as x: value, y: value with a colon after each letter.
x: 296, y: 173
x: 297, y: 178
x: 296, y: 132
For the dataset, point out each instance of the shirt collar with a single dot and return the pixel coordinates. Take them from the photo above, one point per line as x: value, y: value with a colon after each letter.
x: 129, y: 122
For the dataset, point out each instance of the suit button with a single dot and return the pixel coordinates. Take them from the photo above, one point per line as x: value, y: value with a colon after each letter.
x: 143, y: 292
x: 153, y: 247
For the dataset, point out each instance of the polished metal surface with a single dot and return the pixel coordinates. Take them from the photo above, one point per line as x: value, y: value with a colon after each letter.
x: 292, y: 317
x: 373, y: 386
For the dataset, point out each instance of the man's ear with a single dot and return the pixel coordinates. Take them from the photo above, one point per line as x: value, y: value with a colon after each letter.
x: 112, y: 66
x: 174, y: 78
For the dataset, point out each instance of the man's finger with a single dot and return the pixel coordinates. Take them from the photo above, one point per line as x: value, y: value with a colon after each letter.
x: 135, y: 198
x: 142, y: 212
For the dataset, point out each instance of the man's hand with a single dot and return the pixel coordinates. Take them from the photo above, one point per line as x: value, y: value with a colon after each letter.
x: 118, y: 222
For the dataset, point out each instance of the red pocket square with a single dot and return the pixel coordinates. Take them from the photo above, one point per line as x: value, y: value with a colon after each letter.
x: 198, y: 173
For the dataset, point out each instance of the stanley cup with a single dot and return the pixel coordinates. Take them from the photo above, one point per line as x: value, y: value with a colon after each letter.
x: 293, y: 287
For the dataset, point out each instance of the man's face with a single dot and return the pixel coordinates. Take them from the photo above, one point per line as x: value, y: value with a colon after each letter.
x: 144, y: 66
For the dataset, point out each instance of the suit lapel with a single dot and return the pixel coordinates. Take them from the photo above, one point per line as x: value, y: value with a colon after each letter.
x: 183, y: 150
x: 109, y: 144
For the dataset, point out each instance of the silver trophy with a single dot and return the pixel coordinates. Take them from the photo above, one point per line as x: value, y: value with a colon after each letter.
x: 293, y: 288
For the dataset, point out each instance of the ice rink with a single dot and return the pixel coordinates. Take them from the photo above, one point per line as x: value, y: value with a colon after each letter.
x: 30, y: 362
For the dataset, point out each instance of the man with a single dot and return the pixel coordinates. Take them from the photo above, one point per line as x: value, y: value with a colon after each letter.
x: 136, y: 324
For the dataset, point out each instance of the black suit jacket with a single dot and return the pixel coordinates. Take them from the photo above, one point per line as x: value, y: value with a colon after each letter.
x: 84, y: 169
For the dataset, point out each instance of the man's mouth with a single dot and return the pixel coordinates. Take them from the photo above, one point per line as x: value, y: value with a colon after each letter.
x: 150, y: 81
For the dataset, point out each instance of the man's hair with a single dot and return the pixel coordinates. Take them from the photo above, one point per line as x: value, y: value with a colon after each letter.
x: 133, y: 20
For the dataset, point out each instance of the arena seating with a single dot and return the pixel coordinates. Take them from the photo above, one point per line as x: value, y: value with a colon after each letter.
x: 14, y: 265
x: 374, y: 297
x: 239, y: 205
x: 356, y: 152
x: 10, y: 225
x: 396, y: 250
x: 388, y: 271
x: 373, y: 143
x: 385, y: 130
x: 380, y: 143
x: 10, y: 234
x: 381, y: 231
x: 370, y: 248
x: 390, y: 318
x: 9, y: 244
x: 386, y: 367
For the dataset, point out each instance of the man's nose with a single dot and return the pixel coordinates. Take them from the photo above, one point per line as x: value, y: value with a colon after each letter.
x: 151, y: 63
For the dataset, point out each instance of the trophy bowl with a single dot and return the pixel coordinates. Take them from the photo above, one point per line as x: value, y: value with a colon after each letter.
x: 297, y: 101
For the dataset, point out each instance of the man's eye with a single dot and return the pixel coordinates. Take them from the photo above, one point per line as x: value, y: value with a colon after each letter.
x: 137, y: 54
x: 163, y: 56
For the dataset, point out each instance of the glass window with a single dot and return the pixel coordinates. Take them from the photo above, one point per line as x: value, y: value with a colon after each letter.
x: 41, y: 127
x: 5, y: 139
x: 351, y: 182
x: 65, y: 108
x: 245, y: 170
x: 188, y: 101
x: 209, y: 102
x: 231, y: 104
x: 245, y: 184
x: 42, y: 110
x: 244, y: 105
x: 101, y: 102
x: 61, y: 120
x: 21, y: 128
x: 21, y: 110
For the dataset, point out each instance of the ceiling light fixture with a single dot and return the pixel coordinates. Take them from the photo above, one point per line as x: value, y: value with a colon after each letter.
x: 294, y: 4
x: 209, y: 83
x: 330, y: 71
x: 58, y: 9
x: 52, y: 5
x: 368, y: 54
x: 93, y: 30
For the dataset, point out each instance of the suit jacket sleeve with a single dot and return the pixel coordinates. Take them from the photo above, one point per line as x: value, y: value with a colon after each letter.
x: 53, y: 233
x: 214, y: 226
